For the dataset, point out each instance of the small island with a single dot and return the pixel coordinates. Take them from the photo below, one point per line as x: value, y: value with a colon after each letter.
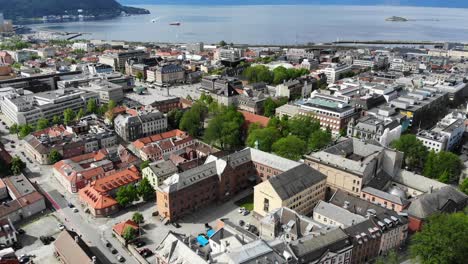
x: 396, y: 19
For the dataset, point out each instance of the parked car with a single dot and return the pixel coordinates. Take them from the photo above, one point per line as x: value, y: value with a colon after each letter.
x: 241, y: 210
x: 247, y: 226
x: 241, y: 222
x: 20, y: 231
x: 75, y: 210
x: 108, y: 244
x: 113, y: 250
x: 61, y: 227
x: 146, y: 252
x: 176, y: 225
x: 139, y: 243
x: 120, y: 258
x: 70, y: 205
x: 246, y: 212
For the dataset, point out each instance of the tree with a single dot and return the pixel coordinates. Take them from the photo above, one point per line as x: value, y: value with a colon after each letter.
x: 146, y: 190
x: 80, y: 114
x: 290, y: 147
x: 225, y: 129
x: 414, y: 150
x: 129, y: 233
x: 263, y: 137
x: 144, y: 164
x: 173, y: 118
x: 444, y: 166
x: 17, y: 165
x: 92, y: 107
x: 126, y: 195
x: 319, y: 139
x: 54, y: 156
x: 139, y: 76
x: 111, y: 105
x: 68, y: 116
x: 392, y: 258
x: 222, y: 43
x: 269, y: 107
x: 442, y: 240
x: 25, y: 130
x: 464, y: 186
x: 280, y: 74
x: 191, y: 123
x: 303, y: 126
x: 56, y: 120
x: 137, y: 217
x: 14, y: 129
x: 42, y: 123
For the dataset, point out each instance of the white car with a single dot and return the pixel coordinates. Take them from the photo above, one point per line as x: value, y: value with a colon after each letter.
x: 247, y: 226
x: 61, y: 227
x: 241, y: 210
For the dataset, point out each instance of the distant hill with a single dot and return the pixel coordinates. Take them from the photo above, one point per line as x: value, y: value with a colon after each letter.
x: 14, y: 9
x: 428, y: 3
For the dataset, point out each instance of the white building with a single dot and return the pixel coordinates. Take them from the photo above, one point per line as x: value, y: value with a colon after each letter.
x: 334, y: 70
x: 107, y: 91
x: 27, y: 109
x: 446, y: 135
x: 87, y: 47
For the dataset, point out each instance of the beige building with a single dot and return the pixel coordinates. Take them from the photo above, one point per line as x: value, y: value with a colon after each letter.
x: 159, y: 171
x: 166, y: 74
x: 299, y: 189
x: 353, y: 163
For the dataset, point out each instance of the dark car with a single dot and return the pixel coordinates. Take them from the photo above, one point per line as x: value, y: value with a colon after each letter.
x: 108, y: 244
x: 45, y: 240
x: 176, y: 225
x: 24, y: 259
x: 146, y: 252
x: 140, y: 243
x: 113, y: 250
x: 20, y: 231
x: 70, y: 205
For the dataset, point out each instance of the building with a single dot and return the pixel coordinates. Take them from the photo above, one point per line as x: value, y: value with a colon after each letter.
x: 118, y: 60
x: 298, y: 54
x: 23, y: 200
x: 331, y: 215
x: 5, y: 58
x: 97, y: 196
x: 229, y: 54
x: 294, y: 89
x: 332, y: 247
x: 369, y: 127
x: 176, y: 247
x: 161, y: 146
x: 70, y: 248
x: 335, y: 71
x: 136, y: 124
x: 7, y: 233
x: 351, y: 164
x: 444, y: 200
x: 195, y: 47
x: 299, y: 188
x: 158, y: 172
x: 118, y: 229
x: 333, y: 112
x: 446, y: 135
x: 288, y: 225
x: 27, y: 109
x: 394, y: 200
x: 217, y: 179
x: 84, y: 46
x: 106, y: 90
x: 366, y: 239
x: 166, y: 74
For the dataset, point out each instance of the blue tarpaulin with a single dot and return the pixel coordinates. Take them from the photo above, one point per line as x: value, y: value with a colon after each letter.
x: 210, y: 232
x: 202, y: 240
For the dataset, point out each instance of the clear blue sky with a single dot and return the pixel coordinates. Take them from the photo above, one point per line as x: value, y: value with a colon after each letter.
x: 434, y: 3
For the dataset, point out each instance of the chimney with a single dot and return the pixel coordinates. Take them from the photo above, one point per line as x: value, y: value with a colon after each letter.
x: 346, y: 205
x: 77, y: 239
x: 431, y: 188
x: 94, y: 259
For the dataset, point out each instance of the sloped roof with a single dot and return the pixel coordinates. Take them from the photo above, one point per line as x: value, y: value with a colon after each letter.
x: 120, y: 227
x: 253, y: 118
x: 295, y: 180
x: 72, y: 251
x: 446, y: 199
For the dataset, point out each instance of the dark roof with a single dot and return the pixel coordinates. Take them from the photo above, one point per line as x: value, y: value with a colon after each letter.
x: 446, y: 199
x: 295, y: 180
x: 312, y: 248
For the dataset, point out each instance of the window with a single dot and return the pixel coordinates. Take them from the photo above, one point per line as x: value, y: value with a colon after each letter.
x: 266, y: 205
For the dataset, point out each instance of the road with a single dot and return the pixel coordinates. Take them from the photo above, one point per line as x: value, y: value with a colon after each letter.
x: 94, y: 231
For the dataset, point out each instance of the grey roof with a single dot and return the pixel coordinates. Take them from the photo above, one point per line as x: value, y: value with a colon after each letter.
x: 295, y: 180
x: 354, y: 204
x: 163, y: 167
x: 170, y: 68
x: 187, y: 178
x: 338, y: 214
x: 312, y: 248
x: 416, y: 181
x: 385, y: 195
x: 363, y: 231
x: 250, y: 253
x: 173, y: 250
x: 446, y: 199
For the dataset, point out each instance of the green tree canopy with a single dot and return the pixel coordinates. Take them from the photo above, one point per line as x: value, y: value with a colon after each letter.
x: 56, y: 120
x: 25, y: 130
x: 290, y: 147
x: 414, y: 150
x: 145, y: 190
x: 464, y: 186
x: 444, y: 166
x: 192, y: 119
x: 225, y: 129
x: 111, y: 105
x: 91, y: 107
x: 126, y: 195
x: 173, y: 118
x: 303, y: 126
x: 129, y: 233
x: 258, y: 73
x: 68, y: 116
x: 265, y: 137
x: 17, y: 165
x: 442, y: 240
x: 137, y: 217
x: 54, y: 156
x: 319, y: 139
x: 144, y: 164
x: 139, y: 76
x: 270, y: 105
x: 222, y: 43
x: 80, y: 114
x: 14, y: 129
x: 42, y: 123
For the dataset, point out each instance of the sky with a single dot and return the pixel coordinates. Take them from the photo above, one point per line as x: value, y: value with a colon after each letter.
x: 429, y: 3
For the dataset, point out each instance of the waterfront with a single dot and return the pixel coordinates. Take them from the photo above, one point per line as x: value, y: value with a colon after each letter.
x: 276, y: 24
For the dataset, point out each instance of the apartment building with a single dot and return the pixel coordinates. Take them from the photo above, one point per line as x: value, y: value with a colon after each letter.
x: 446, y: 135
x: 334, y: 71
x: 299, y: 188
x: 352, y: 163
x: 135, y: 124
x: 166, y: 74
x: 161, y: 146
x: 370, y: 127
x: 331, y: 215
x: 27, y: 109
x: 106, y: 90
x: 118, y: 60
x: 158, y: 172
x: 84, y: 46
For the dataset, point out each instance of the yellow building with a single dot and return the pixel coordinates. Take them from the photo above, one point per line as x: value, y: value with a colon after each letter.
x: 159, y: 171
x: 299, y: 188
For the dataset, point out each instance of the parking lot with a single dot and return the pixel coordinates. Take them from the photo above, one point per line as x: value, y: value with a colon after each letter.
x: 46, y: 226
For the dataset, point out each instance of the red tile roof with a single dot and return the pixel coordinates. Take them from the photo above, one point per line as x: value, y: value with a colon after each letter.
x: 120, y: 227
x: 253, y: 118
x: 140, y: 143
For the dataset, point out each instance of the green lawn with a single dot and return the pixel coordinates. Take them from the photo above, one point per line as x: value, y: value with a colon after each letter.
x: 246, y: 202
